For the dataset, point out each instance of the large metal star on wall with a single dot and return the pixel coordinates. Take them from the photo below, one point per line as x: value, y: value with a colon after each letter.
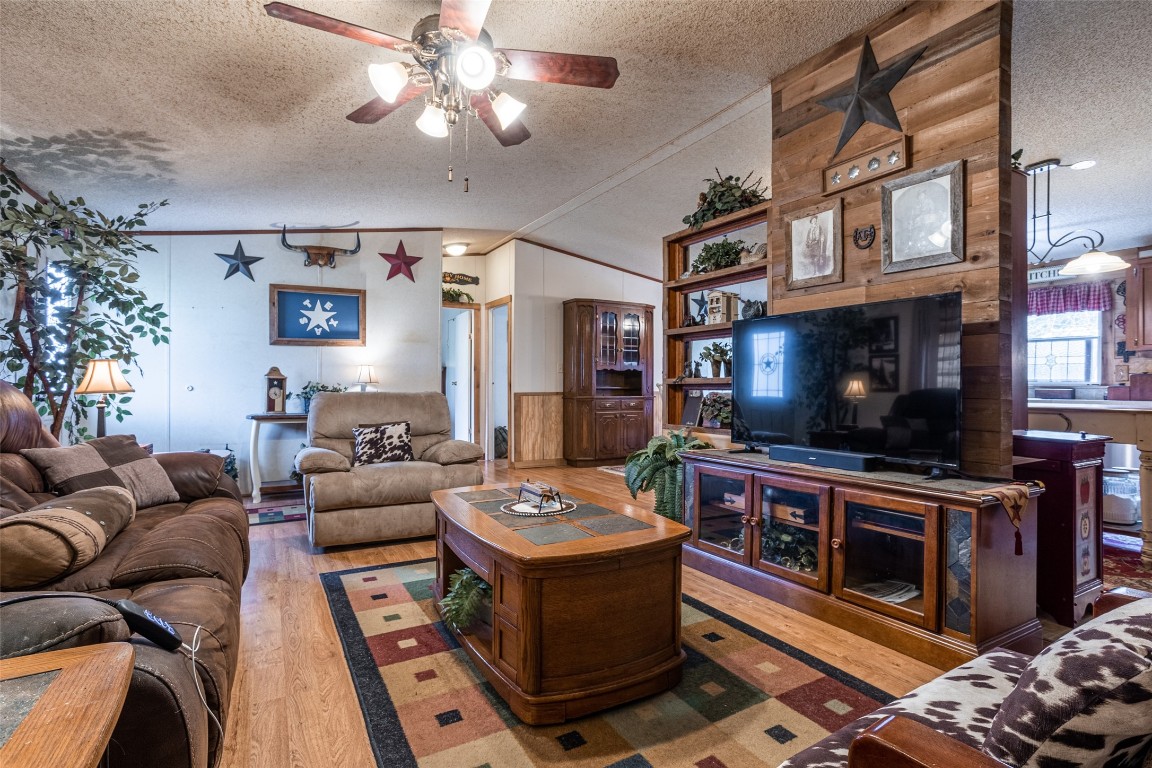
x: 401, y: 263
x: 239, y: 262
x: 866, y: 99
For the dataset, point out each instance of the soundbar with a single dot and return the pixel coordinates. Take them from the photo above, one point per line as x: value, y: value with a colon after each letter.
x: 817, y: 457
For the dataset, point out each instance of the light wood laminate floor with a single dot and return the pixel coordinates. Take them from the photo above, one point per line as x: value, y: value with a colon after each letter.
x: 293, y: 704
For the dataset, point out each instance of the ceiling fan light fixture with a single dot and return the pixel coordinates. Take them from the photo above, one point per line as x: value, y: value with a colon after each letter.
x: 432, y: 122
x: 1082, y: 165
x: 507, y: 109
x: 388, y: 79
x: 456, y: 249
x: 475, y: 67
x: 1093, y: 263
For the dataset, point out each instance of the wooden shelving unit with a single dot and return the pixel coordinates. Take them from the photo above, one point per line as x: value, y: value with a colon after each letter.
x: 679, y: 250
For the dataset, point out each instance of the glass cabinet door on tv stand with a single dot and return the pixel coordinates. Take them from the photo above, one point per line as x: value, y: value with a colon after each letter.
x: 794, y: 524
x: 721, y: 523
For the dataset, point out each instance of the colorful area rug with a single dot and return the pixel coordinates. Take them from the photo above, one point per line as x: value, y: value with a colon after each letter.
x: 747, y: 699
x: 282, y: 514
x: 1122, y: 564
x: 617, y: 469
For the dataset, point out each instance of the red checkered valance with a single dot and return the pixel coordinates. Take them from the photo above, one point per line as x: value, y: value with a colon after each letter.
x: 1078, y: 297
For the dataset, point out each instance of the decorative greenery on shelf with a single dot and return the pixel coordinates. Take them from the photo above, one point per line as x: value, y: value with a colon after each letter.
x: 455, y: 296
x: 716, y: 407
x: 68, y: 274
x: 718, y: 351
x: 725, y: 195
x: 468, y: 597
x: 309, y: 390
x: 717, y: 255
x: 659, y: 468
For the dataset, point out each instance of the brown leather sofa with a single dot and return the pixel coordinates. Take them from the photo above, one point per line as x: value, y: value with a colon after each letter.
x: 185, y: 561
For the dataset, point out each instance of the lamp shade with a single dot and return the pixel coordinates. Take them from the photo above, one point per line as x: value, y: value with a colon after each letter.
x: 366, y: 375
x: 388, y: 79
x: 507, y: 109
x: 432, y: 122
x: 855, y: 388
x: 1093, y: 263
x: 103, y: 377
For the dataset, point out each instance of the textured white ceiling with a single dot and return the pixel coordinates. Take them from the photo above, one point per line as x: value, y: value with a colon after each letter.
x: 238, y: 118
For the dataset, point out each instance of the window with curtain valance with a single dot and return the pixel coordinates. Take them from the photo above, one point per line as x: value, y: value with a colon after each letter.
x: 1075, y: 297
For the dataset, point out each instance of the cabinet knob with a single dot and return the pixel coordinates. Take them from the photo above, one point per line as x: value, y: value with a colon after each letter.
x: 836, y: 543
x: 744, y: 519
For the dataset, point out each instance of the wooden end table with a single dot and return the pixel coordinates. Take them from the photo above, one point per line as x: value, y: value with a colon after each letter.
x: 64, y: 720
x: 578, y: 625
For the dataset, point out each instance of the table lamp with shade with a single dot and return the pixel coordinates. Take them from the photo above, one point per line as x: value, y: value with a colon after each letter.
x: 365, y: 377
x: 103, y: 377
x: 855, y: 392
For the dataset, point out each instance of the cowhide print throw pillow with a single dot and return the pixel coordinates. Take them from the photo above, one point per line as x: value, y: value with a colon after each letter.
x: 377, y: 443
x: 1085, y: 700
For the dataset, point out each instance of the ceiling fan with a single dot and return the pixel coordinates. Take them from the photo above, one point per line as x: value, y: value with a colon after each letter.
x: 455, y: 67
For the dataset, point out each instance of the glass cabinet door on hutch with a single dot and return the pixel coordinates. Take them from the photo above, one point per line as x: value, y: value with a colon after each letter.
x: 795, y: 525
x: 607, y: 338
x: 722, y: 523
x: 630, y: 339
x: 884, y: 555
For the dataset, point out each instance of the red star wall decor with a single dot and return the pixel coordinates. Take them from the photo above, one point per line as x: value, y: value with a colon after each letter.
x: 401, y: 263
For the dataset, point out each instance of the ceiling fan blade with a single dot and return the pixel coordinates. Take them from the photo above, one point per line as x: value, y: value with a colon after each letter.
x: 567, y: 68
x: 514, y: 134
x: 337, y: 27
x: 378, y: 109
x: 464, y: 15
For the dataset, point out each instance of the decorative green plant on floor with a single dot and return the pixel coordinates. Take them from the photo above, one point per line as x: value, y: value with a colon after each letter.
x: 69, y: 274
x: 725, y: 195
x: 467, y: 599
x: 717, y: 255
x: 659, y: 468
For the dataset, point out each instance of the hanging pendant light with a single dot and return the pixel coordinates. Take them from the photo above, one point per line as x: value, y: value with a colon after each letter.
x: 432, y: 122
x: 388, y: 79
x: 507, y: 109
x: 1093, y: 262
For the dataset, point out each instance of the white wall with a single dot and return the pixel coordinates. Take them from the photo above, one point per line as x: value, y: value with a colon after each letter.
x: 196, y: 392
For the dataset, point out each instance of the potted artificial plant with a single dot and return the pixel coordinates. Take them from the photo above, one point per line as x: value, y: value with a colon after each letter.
x: 719, y: 354
x: 716, y: 409
x: 718, y: 255
x: 725, y: 195
x: 659, y: 468
x: 68, y: 277
x: 468, y: 599
x: 309, y: 390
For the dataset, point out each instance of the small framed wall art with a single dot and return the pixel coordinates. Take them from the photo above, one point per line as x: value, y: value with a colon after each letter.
x: 815, y: 245
x: 922, y: 219
x: 307, y: 316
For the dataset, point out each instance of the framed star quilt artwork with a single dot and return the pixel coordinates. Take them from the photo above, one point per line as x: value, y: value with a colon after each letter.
x: 303, y: 315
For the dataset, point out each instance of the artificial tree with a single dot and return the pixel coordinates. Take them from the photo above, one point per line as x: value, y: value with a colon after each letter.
x: 67, y: 283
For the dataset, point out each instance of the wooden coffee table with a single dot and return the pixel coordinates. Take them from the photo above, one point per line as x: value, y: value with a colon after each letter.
x: 587, y: 619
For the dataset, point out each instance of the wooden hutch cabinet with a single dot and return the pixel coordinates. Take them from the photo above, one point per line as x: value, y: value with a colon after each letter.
x: 607, y: 380
x: 927, y: 567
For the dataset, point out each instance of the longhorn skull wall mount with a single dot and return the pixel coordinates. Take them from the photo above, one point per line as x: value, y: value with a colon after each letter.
x: 319, y: 255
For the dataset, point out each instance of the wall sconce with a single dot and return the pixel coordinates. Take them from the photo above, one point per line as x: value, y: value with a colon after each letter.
x: 365, y: 376
x: 103, y: 377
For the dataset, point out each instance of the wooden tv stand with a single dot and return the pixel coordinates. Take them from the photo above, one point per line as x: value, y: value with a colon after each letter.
x: 926, y: 567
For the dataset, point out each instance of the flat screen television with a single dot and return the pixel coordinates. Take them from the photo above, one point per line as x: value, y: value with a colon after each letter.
x: 880, y: 378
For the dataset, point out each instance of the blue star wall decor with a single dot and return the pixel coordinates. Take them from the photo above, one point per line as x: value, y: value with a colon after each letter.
x: 866, y: 99
x: 401, y: 263
x: 239, y: 262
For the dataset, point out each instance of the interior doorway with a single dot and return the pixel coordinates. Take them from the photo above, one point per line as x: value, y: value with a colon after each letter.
x: 499, y: 438
x: 459, y: 373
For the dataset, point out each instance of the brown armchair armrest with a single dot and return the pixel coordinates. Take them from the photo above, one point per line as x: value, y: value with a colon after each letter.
x: 898, y: 742
x: 1117, y: 597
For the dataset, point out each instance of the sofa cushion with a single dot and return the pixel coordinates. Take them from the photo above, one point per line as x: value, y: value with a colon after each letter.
x: 115, y: 460
x: 453, y: 452
x: 379, y: 485
x: 22, y: 473
x: 61, y: 536
x: 184, y: 547
x: 1085, y: 700
x: 333, y: 415
x: 960, y: 704
x: 377, y: 443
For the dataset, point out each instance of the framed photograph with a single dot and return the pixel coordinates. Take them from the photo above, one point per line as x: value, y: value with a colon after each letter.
x: 815, y: 245
x: 922, y: 218
x: 321, y: 317
x: 885, y: 373
x: 883, y: 335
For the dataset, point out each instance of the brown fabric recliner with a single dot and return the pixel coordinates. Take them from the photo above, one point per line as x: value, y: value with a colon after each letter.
x: 376, y: 502
x: 184, y: 561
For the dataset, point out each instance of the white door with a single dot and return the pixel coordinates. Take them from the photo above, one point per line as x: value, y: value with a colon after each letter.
x: 456, y: 333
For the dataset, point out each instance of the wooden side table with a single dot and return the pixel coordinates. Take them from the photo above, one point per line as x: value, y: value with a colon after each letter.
x: 63, y: 704
x: 254, y: 446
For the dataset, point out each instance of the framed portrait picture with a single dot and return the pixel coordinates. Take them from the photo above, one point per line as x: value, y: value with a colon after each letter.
x: 885, y: 373
x: 815, y: 245
x: 922, y: 218
x: 883, y: 335
x: 308, y: 316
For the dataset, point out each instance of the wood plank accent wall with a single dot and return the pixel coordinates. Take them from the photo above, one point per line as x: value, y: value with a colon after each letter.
x: 955, y: 105
x: 538, y: 432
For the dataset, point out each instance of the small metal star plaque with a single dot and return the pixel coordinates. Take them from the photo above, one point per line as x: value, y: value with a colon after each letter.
x: 890, y: 158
